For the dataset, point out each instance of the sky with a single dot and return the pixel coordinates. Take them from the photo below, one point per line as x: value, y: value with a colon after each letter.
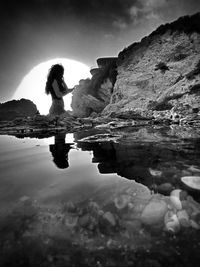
x: 34, y: 31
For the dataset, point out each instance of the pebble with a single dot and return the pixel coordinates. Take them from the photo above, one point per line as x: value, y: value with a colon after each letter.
x: 171, y: 222
x: 165, y: 188
x: 84, y: 220
x: 121, y: 201
x: 110, y: 218
x: 24, y: 198
x: 71, y: 221
x: 156, y: 173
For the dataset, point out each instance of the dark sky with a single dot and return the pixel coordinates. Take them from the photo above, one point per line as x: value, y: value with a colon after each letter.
x: 33, y: 31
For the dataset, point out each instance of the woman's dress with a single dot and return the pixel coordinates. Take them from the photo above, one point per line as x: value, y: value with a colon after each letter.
x: 57, y: 107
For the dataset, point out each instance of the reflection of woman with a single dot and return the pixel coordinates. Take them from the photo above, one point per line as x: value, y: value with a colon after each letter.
x: 57, y: 87
x: 60, y: 151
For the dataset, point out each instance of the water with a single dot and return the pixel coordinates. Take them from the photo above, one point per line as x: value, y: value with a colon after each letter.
x: 104, y: 200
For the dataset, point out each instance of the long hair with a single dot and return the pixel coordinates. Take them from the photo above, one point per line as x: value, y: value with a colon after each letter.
x: 55, y: 72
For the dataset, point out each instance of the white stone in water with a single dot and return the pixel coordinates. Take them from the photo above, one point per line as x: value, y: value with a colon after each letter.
x: 154, y: 212
x: 176, y: 193
x: 176, y: 203
x: 155, y: 172
x: 171, y: 222
x: 191, y: 181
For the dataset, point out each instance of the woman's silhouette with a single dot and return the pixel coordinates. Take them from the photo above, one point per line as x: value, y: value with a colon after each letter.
x: 57, y: 87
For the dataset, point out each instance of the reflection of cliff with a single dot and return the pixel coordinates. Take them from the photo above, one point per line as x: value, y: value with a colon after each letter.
x: 94, y: 95
x: 149, y: 163
x: 60, y: 151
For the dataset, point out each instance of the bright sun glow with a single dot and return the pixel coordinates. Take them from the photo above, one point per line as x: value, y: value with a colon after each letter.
x: 33, y: 84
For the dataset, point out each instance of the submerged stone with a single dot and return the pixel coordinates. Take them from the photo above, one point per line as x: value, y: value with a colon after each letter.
x: 154, y: 212
x: 171, y: 222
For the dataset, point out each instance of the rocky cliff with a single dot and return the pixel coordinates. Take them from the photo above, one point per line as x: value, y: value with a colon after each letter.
x: 91, y: 96
x: 17, y: 108
x: 158, y: 77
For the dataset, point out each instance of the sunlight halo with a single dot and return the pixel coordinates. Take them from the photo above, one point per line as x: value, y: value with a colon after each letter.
x: 32, y: 85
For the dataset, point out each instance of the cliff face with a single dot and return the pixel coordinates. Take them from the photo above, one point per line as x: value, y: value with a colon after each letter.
x: 17, y: 108
x: 160, y: 76
x: 91, y: 96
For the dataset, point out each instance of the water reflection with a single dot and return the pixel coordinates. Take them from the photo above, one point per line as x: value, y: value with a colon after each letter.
x: 60, y: 150
x: 103, y: 218
x: 158, y: 165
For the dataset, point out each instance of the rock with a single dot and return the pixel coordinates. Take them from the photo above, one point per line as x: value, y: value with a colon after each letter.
x: 122, y: 201
x: 71, y: 220
x: 165, y: 188
x: 176, y: 203
x: 17, y: 108
x: 183, y: 218
x: 173, y: 92
x: 191, y: 181
x: 175, y: 199
x: 93, y: 95
x: 100, y: 138
x: 84, y: 221
x: 24, y: 198
x: 154, y: 212
x: 156, y: 173
x: 171, y: 222
x: 70, y: 207
x: 194, y: 225
x: 110, y: 218
x: 107, y: 223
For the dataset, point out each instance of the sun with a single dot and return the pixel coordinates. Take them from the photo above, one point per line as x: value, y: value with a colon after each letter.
x: 32, y: 85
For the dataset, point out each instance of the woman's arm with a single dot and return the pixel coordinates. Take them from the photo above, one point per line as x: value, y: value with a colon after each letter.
x: 67, y: 90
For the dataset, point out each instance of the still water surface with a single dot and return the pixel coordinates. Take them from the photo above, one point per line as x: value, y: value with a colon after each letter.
x: 100, y: 195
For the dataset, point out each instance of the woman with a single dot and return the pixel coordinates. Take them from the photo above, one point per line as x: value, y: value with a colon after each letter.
x: 56, y: 86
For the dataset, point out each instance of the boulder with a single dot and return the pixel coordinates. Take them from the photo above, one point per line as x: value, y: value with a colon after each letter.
x: 17, y: 108
x: 154, y: 213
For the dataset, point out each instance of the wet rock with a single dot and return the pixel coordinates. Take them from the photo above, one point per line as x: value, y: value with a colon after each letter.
x: 100, y: 138
x: 109, y: 217
x: 24, y: 198
x: 71, y: 220
x: 70, y: 207
x: 154, y: 212
x: 175, y: 199
x: 84, y: 221
x: 191, y: 181
x: 165, y: 188
x: 171, y: 222
x: 183, y: 218
x: 107, y: 223
x: 155, y: 173
x: 122, y: 201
